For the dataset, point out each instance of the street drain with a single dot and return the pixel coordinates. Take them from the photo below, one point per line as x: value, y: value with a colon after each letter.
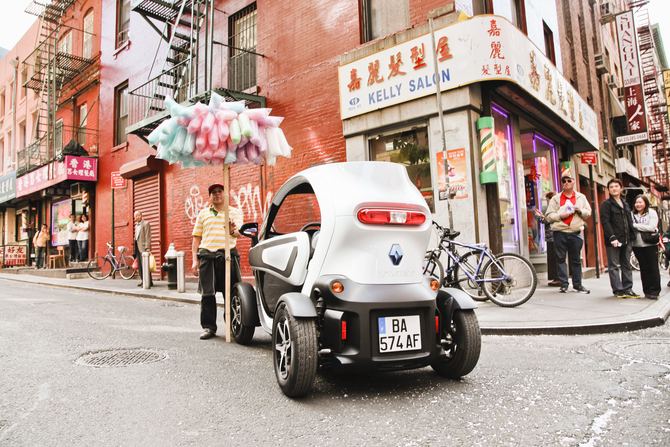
x: 121, y: 357
x: 654, y: 351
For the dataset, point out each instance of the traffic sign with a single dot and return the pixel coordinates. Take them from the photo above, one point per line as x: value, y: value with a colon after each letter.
x: 118, y: 181
x: 589, y: 158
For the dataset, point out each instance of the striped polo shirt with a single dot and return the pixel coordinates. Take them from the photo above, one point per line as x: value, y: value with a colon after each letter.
x: 211, y: 226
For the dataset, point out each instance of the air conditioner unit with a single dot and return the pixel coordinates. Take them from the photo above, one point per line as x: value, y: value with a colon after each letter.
x: 606, y: 12
x: 76, y: 189
x: 621, y: 94
x: 612, y: 81
x: 602, y: 64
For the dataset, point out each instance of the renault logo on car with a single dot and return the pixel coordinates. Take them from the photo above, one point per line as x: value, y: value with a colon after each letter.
x: 395, y: 254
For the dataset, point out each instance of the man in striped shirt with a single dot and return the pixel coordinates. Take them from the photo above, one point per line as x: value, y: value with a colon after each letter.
x: 209, y: 243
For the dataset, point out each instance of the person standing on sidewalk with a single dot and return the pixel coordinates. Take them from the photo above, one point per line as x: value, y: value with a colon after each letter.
x: 40, y: 240
x: 552, y: 275
x: 617, y: 221
x: 209, y: 252
x: 566, y: 213
x: 645, y: 220
x: 72, y: 237
x: 142, y: 244
x: 82, y: 238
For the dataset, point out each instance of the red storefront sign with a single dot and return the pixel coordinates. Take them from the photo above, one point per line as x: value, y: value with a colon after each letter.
x: 117, y: 180
x: 589, y: 158
x: 630, y: 71
x: 72, y: 168
x: 13, y: 254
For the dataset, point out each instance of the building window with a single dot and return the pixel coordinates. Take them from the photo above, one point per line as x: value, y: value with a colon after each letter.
x: 519, y: 14
x: 242, y: 64
x: 549, y: 43
x: 410, y: 149
x: 121, y: 114
x: 24, y: 79
x: 58, y: 137
x: 381, y: 18
x: 2, y: 153
x: 122, y: 22
x: 83, y: 116
x: 87, y: 51
x: 65, y: 44
x: 2, y: 104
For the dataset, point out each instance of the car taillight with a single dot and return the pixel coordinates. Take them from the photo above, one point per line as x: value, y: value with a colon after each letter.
x: 344, y: 330
x: 437, y: 324
x: 377, y: 216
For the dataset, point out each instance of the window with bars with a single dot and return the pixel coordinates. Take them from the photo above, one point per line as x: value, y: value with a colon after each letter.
x: 122, y: 22
x: 242, y: 40
x: 87, y: 51
x: 121, y: 114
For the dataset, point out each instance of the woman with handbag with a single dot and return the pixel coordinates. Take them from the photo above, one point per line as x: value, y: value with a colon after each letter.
x: 645, y: 246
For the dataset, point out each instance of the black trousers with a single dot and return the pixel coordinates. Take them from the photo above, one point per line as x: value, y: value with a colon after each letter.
x: 74, y: 252
x: 649, y: 270
x: 211, y: 279
x: 552, y: 274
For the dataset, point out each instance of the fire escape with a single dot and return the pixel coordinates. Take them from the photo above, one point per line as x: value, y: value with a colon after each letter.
x: 187, y: 72
x: 53, y: 69
x: 654, y: 95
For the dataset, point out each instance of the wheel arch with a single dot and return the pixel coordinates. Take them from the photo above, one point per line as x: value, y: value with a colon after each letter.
x: 248, y: 296
x: 299, y: 305
x: 450, y: 299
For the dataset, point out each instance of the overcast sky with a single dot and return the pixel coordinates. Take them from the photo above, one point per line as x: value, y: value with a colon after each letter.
x: 14, y: 22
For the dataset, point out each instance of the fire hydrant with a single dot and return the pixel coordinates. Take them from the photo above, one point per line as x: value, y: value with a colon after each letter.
x: 170, y: 266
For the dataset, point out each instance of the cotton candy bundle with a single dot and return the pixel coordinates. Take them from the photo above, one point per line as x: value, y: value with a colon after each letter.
x: 217, y: 133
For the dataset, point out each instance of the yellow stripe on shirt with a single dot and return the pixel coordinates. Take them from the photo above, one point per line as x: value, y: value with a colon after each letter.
x: 211, y: 226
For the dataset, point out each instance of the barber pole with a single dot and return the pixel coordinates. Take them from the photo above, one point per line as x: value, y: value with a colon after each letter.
x: 485, y: 128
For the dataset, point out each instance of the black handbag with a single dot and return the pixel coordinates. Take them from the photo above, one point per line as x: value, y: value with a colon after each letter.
x: 649, y: 237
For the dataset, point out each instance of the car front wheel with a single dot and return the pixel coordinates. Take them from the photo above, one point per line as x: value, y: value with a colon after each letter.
x: 462, y: 343
x: 295, y: 352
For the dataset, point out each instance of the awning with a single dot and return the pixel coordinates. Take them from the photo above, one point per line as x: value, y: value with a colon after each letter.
x: 615, y: 106
x: 140, y: 166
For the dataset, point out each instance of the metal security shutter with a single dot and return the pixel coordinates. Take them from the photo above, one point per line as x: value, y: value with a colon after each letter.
x: 146, y: 199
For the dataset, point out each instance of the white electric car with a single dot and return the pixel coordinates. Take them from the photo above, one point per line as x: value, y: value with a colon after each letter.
x: 339, y: 283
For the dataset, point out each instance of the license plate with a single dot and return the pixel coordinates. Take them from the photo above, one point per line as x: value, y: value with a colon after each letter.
x: 399, y: 333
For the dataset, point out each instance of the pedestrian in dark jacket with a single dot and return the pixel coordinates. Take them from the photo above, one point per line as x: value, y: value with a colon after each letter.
x: 617, y: 221
x: 552, y: 274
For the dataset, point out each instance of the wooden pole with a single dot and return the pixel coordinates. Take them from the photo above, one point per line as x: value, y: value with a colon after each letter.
x: 226, y: 211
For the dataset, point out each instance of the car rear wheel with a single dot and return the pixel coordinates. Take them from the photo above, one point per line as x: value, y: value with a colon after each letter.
x: 241, y: 333
x: 463, y: 343
x: 295, y: 352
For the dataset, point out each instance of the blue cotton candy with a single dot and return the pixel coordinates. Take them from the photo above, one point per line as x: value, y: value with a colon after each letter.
x: 236, y: 106
x: 189, y: 144
x: 215, y: 102
x: 230, y: 157
x: 178, y: 142
x: 169, y: 103
x: 154, y: 135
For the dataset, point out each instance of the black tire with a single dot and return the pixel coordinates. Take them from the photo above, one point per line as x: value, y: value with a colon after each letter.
x: 100, y: 265
x: 634, y: 262
x: 126, y: 267
x: 463, y: 344
x: 514, y: 291
x: 295, y: 352
x: 241, y: 333
x: 433, y: 267
x: 470, y: 262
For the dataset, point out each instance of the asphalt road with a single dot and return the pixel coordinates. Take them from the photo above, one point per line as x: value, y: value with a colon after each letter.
x: 598, y: 390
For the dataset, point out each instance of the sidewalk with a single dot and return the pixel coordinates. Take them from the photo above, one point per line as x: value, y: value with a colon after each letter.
x: 547, y: 312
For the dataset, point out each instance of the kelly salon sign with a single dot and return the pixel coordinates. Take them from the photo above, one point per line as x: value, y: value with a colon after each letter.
x: 482, y: 48
x: 72, y: 168
x: 630, y: 72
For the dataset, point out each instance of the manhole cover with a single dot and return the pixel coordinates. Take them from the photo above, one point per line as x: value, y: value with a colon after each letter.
x: 121, y: 357
x: 655, y: 351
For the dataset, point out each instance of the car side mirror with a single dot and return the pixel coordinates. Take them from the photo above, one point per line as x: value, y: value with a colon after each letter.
x: 250, y: 230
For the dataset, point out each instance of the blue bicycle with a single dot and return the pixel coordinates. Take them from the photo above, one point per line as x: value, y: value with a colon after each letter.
x: 101, y: 267
x: 507, y: 279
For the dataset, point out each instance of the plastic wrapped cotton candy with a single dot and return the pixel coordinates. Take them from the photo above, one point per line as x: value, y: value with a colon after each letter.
x: 245, y: 125
x: 231, y: 157
x: 270, y: 160
x: 257, y: 114
x: 189, y: 144
x: 200, y: 109
x: 215, y: 101
x: 213, y: 138
x: 236, y: 106
x: 207, y: 123
x: 194, y: 125
x: 235, y: 132
x: 274, y: 149
x: 226, y: 115
x: 242, y: 155
x: 270, y: 121
x: 224, y: 131
x: 201, y: 141
x: 231, y: 146
x: 283, y: 144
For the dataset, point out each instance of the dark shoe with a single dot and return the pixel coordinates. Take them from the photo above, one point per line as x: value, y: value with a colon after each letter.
x: 581, y: 289
x: 207, y: 334
x: 651, y: 297
x: 563, y: 289
x: 631, y: 294
x: 668, y: 283
x: 620, y: 295
x: 554, y: 283
x: 140, y: 284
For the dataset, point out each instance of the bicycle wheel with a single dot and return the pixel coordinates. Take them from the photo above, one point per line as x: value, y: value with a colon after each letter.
x: 511, y: 284
x: 126, y: 267
x: 99, y: 268
x: 433, y: 267
x: 634, y: 262
x: 469, y: 263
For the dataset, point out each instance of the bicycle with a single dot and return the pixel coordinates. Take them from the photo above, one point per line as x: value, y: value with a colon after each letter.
x: 507, y: 279
x: 102, y: 266
x: 662, y: 259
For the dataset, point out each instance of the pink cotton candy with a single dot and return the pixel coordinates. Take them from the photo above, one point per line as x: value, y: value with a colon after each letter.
x: 207, y: 123
x: 231, y: 146
x: 213, y: 138
x: 217, y: 161
x: 195, y: 124
x: 242, y: 155
x: 201, y: 141
x: 200, y: 109
x: 183, y: 122
x: 220, y: 151
x: 252, y: 151
x: 243, y: 140
x: 226, y: 115
x: 257, y: 114
x: 270, y: 121
x: 207, y: 153
x: 198, y: 155
x: 263, y: 141
x: 254, y: 134
x: 223, y: 129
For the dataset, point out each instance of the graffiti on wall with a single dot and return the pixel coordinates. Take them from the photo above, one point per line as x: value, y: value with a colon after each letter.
x: 247, y: 199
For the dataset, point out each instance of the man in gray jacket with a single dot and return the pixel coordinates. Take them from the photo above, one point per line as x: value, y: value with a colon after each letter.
x: 566, y: 214
x: 142, y: 243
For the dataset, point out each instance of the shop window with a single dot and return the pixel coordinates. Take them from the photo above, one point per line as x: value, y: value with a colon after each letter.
x: 410, y: 149
x: 121, y: 114
x: 549, y: 43
x: 380, y: 18
x: 122, y: 22
x: 242, y: 63
x: 87, y: 50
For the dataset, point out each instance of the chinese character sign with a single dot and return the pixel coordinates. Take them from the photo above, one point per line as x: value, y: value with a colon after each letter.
x: 13, y: 255
x: 72, y: 168
x: 8, y: 187
x: 630, y: 72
